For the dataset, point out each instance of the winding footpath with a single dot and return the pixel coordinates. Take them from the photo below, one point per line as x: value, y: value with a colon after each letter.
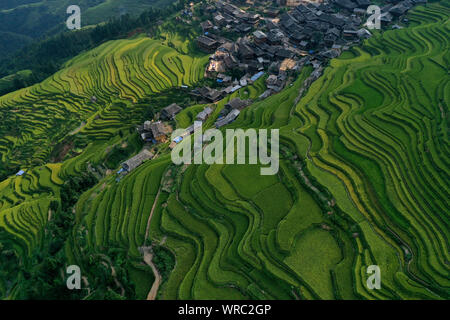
x: 148, y: 259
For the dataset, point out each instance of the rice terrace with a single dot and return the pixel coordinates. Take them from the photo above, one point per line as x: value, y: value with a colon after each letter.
x: 88, y: 132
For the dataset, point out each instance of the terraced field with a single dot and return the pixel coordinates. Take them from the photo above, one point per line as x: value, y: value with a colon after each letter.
x: 363, y: 174
x: 25, y: 204
x: 378, y: 122
x: 39, y: 117
x: 59, y: 120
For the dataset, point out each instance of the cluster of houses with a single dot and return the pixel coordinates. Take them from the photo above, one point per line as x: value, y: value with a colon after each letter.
x: 232, y: 18
x: 212, y: 95
x: 227, y: 115
x: 154, y: 132
x: 157, y: 131
x: 392, y: 10
x: 270, y: 38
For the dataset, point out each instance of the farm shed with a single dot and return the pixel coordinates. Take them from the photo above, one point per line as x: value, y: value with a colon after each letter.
x: 158, y: 131
x: 137, y: 160
x: 237, y: 103
x: 228, y: 119
x: 169, y: 112
x: 207, y: 44
x: 203, y: 115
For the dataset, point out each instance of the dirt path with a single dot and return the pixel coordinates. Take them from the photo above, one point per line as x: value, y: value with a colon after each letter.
x: 442, y: 111
x: 147, y: 231
x: 303, y: 88
x: 108, y: 264
x: 148, y: 259
x: 74, y: 132
x: 147, y: 253
x: 86, y: 284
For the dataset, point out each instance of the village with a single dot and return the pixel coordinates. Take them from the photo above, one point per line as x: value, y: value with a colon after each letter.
x: 279, y: 37
x: 274, y: 39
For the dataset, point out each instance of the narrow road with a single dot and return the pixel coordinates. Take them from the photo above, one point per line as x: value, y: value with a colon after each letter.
x: 114, y: 275
x: 146, y: 251
x: 148, y: 259
x: 86, y: 284
x: 147, y: 231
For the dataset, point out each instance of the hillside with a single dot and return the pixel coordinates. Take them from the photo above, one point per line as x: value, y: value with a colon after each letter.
x: 23, y: 21
x: 364, y: 178
x: 104, y: 74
